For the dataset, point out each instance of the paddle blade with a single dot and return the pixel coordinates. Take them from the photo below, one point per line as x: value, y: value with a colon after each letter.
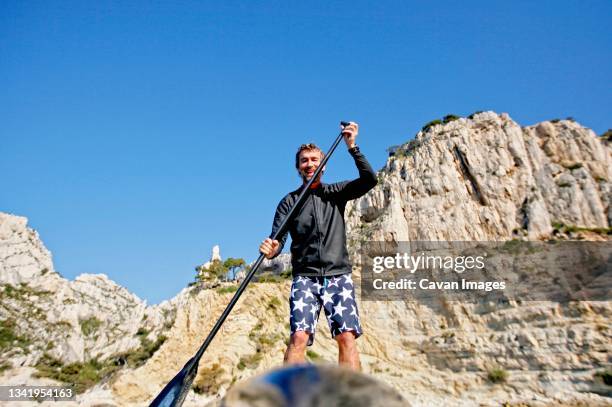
x: 176, y: 390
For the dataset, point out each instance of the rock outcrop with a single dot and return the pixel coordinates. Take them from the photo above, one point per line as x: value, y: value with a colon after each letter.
x: 90, y: 318
x: 486, y: 178
x: 277, y: 265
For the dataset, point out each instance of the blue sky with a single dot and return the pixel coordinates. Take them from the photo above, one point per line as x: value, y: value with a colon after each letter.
x: 136, y: 136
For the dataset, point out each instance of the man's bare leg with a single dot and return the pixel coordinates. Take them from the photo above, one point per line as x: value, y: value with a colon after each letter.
x: 348, y: 355
x: 297, y: 348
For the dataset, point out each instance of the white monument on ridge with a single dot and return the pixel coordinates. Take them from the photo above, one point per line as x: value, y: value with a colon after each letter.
x: 215, y: 255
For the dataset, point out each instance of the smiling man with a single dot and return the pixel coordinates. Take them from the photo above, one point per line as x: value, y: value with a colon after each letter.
x: 321, y: 267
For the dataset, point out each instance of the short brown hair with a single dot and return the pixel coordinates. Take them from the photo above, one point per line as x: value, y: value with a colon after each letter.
x: 307, y: 147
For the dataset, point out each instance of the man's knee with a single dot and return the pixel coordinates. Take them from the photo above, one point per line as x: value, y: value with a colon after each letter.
x: 299, y: 339
x: 346, y: 339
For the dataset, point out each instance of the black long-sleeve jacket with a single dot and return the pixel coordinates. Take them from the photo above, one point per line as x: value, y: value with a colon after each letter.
x: 318, y: 236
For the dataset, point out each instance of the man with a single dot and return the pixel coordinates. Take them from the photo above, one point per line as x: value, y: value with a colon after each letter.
x: 321, y: 268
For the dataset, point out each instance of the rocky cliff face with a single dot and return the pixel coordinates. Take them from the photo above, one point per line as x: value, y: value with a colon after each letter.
x: 46, y: 317
x: 480, y: 178
x: 486, y: 178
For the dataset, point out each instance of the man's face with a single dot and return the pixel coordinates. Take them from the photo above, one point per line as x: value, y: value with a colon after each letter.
x: 308, y: 163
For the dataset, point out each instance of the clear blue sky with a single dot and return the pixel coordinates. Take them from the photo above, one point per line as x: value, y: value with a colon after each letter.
x: 136, y: 135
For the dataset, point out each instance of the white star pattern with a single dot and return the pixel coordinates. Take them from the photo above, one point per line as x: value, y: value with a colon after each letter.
x: 339, y: 309
x: 327, y: 297
x: 346, y: 294
x: 333, y: 282
x: 308, y: 299
x: 301, y: 324
x: 314, y: 310
x: 299, y: 304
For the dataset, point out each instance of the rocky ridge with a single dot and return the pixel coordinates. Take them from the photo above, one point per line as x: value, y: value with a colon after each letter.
x: 486, y: 178
x: 45, y: 316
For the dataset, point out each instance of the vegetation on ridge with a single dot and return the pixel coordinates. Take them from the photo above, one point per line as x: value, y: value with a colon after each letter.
x: 562, y: 228
x: 446, y: 119
x: 90, y: 325
x: 83, y: 375
x: 497, y: 375
x: 10, y: 338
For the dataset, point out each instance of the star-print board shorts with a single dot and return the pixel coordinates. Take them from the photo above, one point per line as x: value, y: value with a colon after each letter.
x: 337, y: 297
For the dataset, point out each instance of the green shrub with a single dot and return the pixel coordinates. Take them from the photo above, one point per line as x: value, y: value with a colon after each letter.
x: 431, y: 124
x: 449, y: 118
x: 142, y: 332
x: 405, y: 151
x: 84, y: 375
x: 412, y: 144
x: 558, y: 226
x: 392, y: 150
x: 497, y: 375
x: 9, y: 337
x: 268, y: 277
x: 136, y: 358
x: 80, y: 375
x: 215, y: 271
x: 22, y: 292
x: 10, y: 291
x: 263, y: 343
x: 274, y: 303
x: 227, y: 289
x: 90, y: 325
x: 207, y: 380
x: 5, y: 365
x: 312, y: 355
x: 250, y: 361
x: 256, y: 328
x: 474, y: 114
x: 513, y: 246
x: 267, y: 340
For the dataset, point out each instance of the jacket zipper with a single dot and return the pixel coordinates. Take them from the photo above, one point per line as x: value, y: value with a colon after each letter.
x: 314, y: 205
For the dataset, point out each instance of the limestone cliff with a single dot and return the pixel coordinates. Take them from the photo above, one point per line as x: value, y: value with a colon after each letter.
x: 486, y: 178
x: 48, y: 319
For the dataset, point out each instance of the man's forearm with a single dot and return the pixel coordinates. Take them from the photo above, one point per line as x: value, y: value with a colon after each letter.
x: 363, y: 166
